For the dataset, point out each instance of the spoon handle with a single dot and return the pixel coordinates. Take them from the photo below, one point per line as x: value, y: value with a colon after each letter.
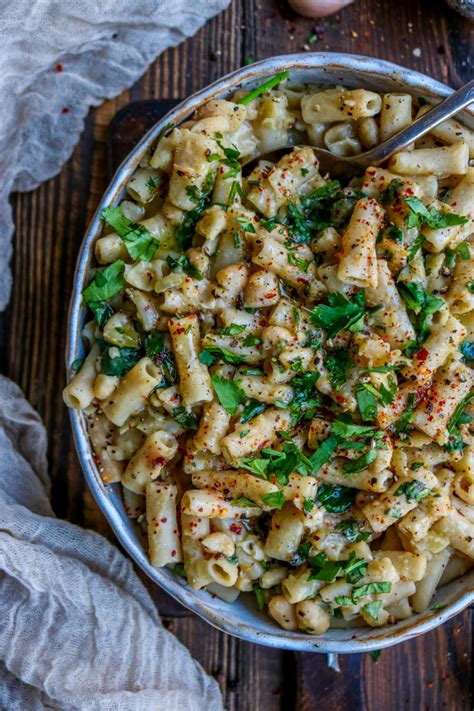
x: 439, y: 113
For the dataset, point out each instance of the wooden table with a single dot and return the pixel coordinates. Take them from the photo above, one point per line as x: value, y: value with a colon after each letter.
x: 429, y: 673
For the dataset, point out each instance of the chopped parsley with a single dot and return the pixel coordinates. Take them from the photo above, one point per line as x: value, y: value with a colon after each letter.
x: 117, y: 361
x: 460, y: 416
x: 232, y: 330
x: 335, y: 498
x: 184, y: 417
x: 403, y: 424
x: 372, y: 609
x: 246, y: 225
x: 229, y: 392
x: 328, y: 570
x: 211, y: 353
x: 105, y: 284
x: 340, y: 314
x: 308, y: 505
x: 139, y: 242
x: 324, y: 453
x: 275, y: 499
x: 259, y: 597
x: 422, y: 303
x: 351, y: 530
x: 413, y: 490
x: 182, y: 264
x: 366, y: 402
x: 357, y: 465
x: 156, y: 349
x: 306, y: 399
x: 201, y: 198
x: 370, y: 589
x: 419, y: 214
x: 252, y: 409
x: 338, y: 364
x: 231, y: 161
x: 278, y: 463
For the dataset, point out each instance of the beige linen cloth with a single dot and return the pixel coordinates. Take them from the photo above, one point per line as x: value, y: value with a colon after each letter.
x: 102, y: 47
x: 77, y: 628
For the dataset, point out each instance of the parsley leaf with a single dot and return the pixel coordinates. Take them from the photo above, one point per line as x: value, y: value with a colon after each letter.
x: 460, y: 416
x: 413, y: 490
x: 246, y: 225
x: 185, y: 231
x: 183, y: 264
x: 373, y: 609
x: 350, y: 529
x: 259, y: 597
x: 403, y: 424
x: 229, y: 393
x: 252, y: 409
x: 305, y: 399
x: 349, y: 429
x: 415, y: 247
x: 370, y: 589
x: 357, y: 465
x: 232, y: 330
x: 256, y: 465
x: 339, y: 314
x: 116, y: 360
x: 366, y: 402
x: 139, y: 242
x: 422, y: 303
x: 161, y: 355
x: 275, y: 499
x: 105, y: 284
x: 308, y: 505
x: 338, y: 364
x: 420, y: 215
x: 210, y: 353
x: 187, y: 419
x: 335, y: 498
x: 392, y: 192
x: 324, y: 453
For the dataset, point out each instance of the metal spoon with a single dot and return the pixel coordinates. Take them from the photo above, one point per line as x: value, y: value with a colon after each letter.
x: 352, y: 166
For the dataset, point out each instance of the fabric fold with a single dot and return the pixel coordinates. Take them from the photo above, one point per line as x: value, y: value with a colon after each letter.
x: 58, y: 59
x: 78, y: 629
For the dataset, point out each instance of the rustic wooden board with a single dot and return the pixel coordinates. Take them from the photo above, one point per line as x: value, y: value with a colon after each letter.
x: 431, y: 672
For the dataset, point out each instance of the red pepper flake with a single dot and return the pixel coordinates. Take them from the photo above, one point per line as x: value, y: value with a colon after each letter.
x: 235, y: 528
x: 65, y: 110
x: 58, y: 68
x: 422, y: 354
x: 158, y: 462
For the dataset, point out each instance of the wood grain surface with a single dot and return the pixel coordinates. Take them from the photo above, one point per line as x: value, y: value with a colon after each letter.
x: 430, y: 673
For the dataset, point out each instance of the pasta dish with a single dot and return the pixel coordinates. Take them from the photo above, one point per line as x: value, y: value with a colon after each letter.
x: 279, y: 366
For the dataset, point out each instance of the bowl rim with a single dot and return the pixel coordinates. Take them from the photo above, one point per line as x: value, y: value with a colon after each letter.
x: 415, y: 82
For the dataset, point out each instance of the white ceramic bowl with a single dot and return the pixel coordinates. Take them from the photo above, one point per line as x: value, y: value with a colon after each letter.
x: 242, y: 618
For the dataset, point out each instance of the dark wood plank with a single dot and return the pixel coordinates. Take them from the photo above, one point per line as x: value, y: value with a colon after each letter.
x: 431, y: 672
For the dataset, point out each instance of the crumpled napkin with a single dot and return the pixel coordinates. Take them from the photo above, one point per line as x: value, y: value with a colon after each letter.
x: 77, y: 628
x: 58, y: 58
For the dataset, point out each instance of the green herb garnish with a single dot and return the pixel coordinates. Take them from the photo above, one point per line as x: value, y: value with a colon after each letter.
x: 139, y: 242
x: 229, y: 392
x: 263, y: 88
